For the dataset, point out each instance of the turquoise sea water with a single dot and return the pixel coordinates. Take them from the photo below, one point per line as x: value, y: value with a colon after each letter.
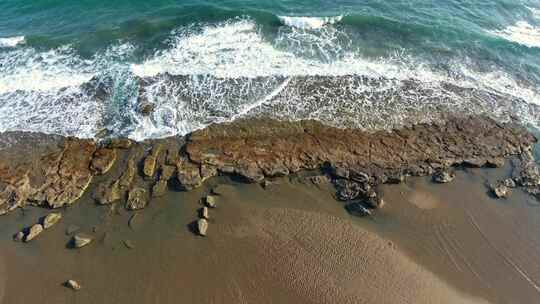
x: 386, y: 62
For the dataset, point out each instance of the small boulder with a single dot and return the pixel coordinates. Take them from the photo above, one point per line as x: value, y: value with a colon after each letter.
x: 129, y: 244
x: 34, y: 231
x: 80, y: 240
x: 202, y: 226
x: 51, y: 219
x: 203, y: 213
x: 18, y: 237
x: 149, y: 165
x: 500, y: 191
x: 510, y: 183
x: 375, y: 201
x: 357, y: 209
x: 443, y: 176
x: 136, y: 199
x: 210, y: 201
x: 74, y: 285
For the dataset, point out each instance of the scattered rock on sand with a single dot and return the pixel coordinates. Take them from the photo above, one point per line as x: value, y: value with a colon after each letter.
x: 51, y: 219
x: 375, y: 201
x: 34, y: 231
x: 136, y: 199
x: 80, y: 240
x: 510, y: 183
x: 357, y: 209
x: 72, y: 284
x: 129, y: 244
x: 500, y: 190
x: 203, y: 213
x: 202, y: 226
x: 210, y: 201
x: 443, y: 176
x: 18, y: 237
x: 349, y: 190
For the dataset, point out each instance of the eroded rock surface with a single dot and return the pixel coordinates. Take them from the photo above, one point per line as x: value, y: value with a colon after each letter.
x: 52, y: 176
x: 52, y: 171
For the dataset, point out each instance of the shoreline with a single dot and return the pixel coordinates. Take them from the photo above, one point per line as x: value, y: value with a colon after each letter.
x: 284, y: 191
x: 53, y: 171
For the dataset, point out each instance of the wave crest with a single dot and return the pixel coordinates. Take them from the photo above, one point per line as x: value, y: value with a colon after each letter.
x: 523, y: 33
x: 309, y: 22
x: 11, y: 41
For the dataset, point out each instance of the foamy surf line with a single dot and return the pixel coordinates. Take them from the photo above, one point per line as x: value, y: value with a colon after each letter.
x: 224, y: 71
x: 309, y: 22
x: 522, y: 32
x: 11, y: 41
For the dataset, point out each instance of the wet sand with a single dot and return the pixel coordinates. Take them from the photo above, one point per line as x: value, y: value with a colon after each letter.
x: 289, y: 243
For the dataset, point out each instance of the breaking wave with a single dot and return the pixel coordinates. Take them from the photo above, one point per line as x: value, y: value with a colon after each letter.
x: 522, y: 32
x: 11, y: 41
x: 220, y: 72
x: 309, y: 22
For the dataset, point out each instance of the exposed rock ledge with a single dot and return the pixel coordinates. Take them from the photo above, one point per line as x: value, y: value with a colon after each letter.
x: 53, y: 171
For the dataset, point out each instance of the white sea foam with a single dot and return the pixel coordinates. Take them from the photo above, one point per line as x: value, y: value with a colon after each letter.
x: 522, y: 32
x: 535, y: 12
x: 11, y: 41
x: 233, y: 71
x: 309, y: 22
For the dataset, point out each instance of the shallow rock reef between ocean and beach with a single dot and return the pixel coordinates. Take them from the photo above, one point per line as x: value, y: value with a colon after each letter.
x: 266, y: 211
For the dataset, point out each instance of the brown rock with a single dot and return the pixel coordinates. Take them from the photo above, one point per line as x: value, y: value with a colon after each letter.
x: 167, y: 172
x: 500, y: 191
x: 159, y: 188
x: 146, y: 108
x: 137, y: 199
x: 118, y: 143
x: 203, y: 213
x: 107, y: 193
x: 443, y: 176
x: 149, y: 165
x: 210, y: 201
x: 127, y: 176
x: 19, y: 236
x: 50, y: 219
x: 129, y: 244
x: 33, y: 231
x: 202, y: 226
x: 103, y: 160
x: 72, y: 284
x: 80, y: 240
x: 510, y: 183
x: 188, y: 175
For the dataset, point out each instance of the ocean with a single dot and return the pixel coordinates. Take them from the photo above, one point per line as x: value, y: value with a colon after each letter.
x: 84, y: 68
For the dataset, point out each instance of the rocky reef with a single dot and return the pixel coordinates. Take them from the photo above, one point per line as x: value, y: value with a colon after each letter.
x: 53, y: 171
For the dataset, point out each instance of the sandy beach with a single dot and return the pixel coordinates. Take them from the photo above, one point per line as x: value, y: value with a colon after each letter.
x: 290, y: 242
